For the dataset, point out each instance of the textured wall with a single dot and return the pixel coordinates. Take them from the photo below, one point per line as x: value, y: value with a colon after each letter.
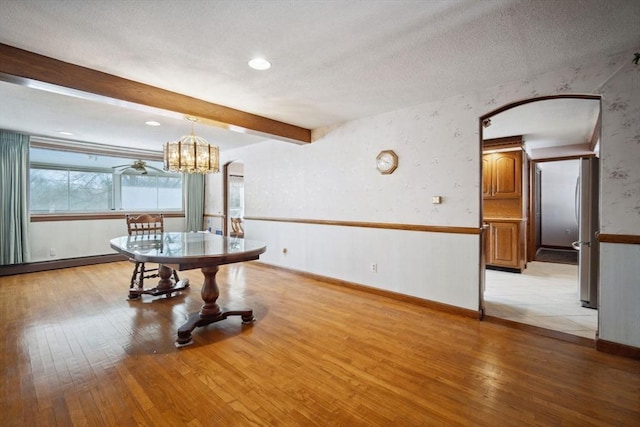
x: 621, y: 152
x: 618, y: 80
x: 438, y: 146
x: 335, y: 177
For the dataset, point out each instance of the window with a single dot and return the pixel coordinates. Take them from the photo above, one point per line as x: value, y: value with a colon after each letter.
x: 142, y: 191
x: 70, y: 191
x: 74, y: 182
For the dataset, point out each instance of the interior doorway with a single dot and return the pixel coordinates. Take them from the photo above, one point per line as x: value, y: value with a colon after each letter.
x: 234, y: 199
x: 555, y: 211
x: 546, y: 293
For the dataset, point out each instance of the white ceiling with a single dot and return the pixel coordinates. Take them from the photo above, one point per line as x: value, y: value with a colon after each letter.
x: 333, y: 60
x: 548, y: 123
x: 44, y: 113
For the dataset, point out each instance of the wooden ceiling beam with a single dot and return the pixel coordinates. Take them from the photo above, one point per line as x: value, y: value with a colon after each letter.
x: 26, y: 67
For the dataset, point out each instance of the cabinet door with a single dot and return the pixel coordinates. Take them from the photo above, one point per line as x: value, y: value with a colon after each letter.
x: 506, y: 174
x: 503, y: 244
x: 487, y: 184
x: 487, y: 245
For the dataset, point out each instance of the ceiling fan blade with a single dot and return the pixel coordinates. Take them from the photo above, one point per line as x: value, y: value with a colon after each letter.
x: 138, y: 166
x: 154, y: 168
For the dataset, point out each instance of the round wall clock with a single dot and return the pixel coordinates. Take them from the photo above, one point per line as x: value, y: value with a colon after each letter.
x: 387, y: 162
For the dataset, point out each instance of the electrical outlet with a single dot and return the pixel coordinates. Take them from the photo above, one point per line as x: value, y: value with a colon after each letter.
x: 52, y: 251
x: 374, y: 267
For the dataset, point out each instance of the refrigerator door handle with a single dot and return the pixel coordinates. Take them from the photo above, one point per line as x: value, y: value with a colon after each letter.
x: 576, y: 202
x: 576, y: 245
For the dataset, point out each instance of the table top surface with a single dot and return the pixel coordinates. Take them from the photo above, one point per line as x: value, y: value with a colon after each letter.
x: 188, y: 250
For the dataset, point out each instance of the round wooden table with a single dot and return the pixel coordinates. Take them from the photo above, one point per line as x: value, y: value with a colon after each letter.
x: 187, y: 251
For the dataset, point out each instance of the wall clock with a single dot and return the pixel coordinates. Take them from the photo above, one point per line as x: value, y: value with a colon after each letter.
x: 387, y: 162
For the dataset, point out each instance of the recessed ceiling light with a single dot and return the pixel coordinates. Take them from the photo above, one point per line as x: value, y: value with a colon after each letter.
x: 259, y: 64
x: 151, y: 123
x: 64, y: 132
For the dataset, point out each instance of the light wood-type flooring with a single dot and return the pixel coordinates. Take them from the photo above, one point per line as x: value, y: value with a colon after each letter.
x: 544, y: 295
x: 75, y: 352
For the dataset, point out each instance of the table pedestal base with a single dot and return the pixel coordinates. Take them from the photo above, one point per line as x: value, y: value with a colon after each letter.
x: 210, y: 311
x: 196, y: 320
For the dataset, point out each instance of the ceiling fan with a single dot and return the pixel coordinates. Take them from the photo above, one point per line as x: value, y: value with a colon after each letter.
x: 138, y: 165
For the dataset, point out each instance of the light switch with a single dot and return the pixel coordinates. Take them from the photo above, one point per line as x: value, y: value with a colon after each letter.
x: 436, y: 200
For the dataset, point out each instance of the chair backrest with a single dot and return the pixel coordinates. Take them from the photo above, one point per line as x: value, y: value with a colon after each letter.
x: 145, y: 224
x: 236, y: 226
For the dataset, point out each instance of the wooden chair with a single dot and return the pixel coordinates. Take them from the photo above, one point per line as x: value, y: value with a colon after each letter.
x: 146, y: 226
x: 236, y: 227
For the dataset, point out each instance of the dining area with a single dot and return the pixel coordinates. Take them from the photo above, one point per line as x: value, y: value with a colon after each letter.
x: 147, y: 242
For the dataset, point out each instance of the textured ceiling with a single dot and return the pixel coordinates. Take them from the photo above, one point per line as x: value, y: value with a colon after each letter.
x: 333, y: 61
x: 548, y: 123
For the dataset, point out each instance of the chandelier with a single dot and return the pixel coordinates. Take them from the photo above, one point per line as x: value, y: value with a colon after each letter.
x: 191, y: 154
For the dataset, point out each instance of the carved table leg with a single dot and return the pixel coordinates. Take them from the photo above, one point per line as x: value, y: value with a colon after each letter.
x: 165, y: 277
x: 210, y: 311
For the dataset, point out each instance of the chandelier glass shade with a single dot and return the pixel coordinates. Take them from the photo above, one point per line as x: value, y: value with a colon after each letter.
x: 191, y: 154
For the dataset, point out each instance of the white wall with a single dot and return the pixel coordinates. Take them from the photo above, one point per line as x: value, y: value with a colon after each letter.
x: 558, y: 216
x: 620, y: 207
x: 619, y: 319
x: 72, y: 239
x: 334, y: 178
x: 409, y: 262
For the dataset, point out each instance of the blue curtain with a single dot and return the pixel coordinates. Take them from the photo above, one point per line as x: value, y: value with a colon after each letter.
x: 14, y: 198
x: 193, y: 200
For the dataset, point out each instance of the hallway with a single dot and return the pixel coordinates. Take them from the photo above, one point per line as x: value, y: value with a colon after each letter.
x: 544, y: 295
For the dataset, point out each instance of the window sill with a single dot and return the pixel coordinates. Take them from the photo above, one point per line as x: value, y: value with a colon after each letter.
x: 92, y: 216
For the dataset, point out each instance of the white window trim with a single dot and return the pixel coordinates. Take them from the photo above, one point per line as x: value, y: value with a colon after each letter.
x: 98, y: 149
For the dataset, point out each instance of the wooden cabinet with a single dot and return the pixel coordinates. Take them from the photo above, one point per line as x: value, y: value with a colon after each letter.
x: 502, y: 175
x: 502, y: 244
x: 505, y: 208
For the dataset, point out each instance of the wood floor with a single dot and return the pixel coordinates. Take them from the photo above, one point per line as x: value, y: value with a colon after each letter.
x: 74, y: 351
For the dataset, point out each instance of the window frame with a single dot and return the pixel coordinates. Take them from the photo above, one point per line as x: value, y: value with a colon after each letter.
x: 102, y: 150
x: 68, y: 170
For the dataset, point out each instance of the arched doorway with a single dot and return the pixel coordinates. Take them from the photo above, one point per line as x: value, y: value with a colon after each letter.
x: 544, y: 130
x: 233, y: 199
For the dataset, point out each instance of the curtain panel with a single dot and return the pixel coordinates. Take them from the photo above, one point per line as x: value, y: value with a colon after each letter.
x: 193, y: 201
x: 14, y: 198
